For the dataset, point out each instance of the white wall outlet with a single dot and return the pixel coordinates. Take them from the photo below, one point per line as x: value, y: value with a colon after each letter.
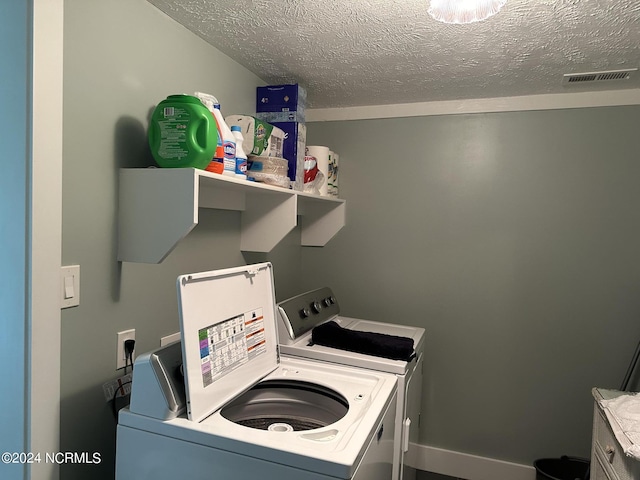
x: 117, y: 388
x: 121, y: 358
x: 174, y: 337
x: 70, y: 286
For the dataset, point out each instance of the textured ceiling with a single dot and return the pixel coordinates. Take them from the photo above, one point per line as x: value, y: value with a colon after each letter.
x: 375, y: 52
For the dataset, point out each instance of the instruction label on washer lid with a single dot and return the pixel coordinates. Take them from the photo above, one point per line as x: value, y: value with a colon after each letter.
x: 226, y: 345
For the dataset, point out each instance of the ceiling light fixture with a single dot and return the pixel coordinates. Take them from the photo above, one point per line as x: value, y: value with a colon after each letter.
x: 464, y: 11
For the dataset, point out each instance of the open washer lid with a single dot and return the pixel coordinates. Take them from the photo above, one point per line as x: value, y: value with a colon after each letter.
x: 229, y: 336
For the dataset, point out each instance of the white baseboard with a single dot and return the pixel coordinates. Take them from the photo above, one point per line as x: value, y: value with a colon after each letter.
x: 463, y: 465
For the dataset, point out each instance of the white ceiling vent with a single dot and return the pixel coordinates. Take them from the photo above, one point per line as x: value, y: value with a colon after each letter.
x: 590, y: 77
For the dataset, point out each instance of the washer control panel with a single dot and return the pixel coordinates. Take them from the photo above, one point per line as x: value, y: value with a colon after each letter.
x: 303, y: 312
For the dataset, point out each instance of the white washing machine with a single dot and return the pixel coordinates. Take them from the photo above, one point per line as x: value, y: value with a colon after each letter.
x: 223, y: 404
x: 359, y: 343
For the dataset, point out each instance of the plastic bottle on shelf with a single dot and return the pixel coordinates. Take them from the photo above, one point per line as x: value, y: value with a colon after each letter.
x: 182, y: 133
x: 216, y: 165
x: 228, y: 143
x: 228, y: 140
x: 241, y: 157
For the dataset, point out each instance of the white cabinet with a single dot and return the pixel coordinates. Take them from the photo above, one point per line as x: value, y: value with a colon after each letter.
x: 608, y: 458
x: 158, y: 207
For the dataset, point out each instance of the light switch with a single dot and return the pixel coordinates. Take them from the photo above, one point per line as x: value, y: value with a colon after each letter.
x: 70, y: 286
x: 69, y: 291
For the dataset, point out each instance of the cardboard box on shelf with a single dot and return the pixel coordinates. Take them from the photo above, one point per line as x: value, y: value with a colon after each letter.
x: 281, y: 103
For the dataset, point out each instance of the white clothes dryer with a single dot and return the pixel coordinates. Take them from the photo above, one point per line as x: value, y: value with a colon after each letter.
x: 224, y: 404
x: 299, y: 317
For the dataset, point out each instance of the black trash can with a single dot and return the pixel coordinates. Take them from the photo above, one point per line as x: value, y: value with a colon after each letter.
x: 563, y: 468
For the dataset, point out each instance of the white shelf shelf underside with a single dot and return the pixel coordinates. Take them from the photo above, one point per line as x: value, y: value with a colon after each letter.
x: 159, y: 207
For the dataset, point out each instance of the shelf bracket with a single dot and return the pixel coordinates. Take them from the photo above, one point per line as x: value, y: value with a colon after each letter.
x: 320, y: 222
x: 266, y: 221
x: 157, y: 209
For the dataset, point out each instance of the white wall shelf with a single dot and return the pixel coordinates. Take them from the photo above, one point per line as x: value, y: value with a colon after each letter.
x: 158, y: 207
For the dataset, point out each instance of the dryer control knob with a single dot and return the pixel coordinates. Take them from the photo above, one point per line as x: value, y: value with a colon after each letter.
x: 316, y: 307
x: 328, y: 302
x: 304, y: 313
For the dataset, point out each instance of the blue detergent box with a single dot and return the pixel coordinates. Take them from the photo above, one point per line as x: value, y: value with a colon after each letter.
x: 281, y: 103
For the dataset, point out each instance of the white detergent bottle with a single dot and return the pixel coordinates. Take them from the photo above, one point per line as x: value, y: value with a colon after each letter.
x: 241, y: 157
x: 217, y: 162
x: 228, y: 143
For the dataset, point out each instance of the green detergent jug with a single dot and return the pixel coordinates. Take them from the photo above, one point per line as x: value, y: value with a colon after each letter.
x: 182, y: 133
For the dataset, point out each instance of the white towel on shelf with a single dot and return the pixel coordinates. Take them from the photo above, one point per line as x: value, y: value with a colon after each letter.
x: 625, y: 410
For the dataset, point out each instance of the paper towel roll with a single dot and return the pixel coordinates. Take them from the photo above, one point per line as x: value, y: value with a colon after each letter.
x: 322, y: 157
x: 333, y: 171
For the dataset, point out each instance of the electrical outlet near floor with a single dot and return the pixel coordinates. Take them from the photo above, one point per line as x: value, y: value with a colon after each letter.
x: 117, y: 388
x: 121, y: 358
